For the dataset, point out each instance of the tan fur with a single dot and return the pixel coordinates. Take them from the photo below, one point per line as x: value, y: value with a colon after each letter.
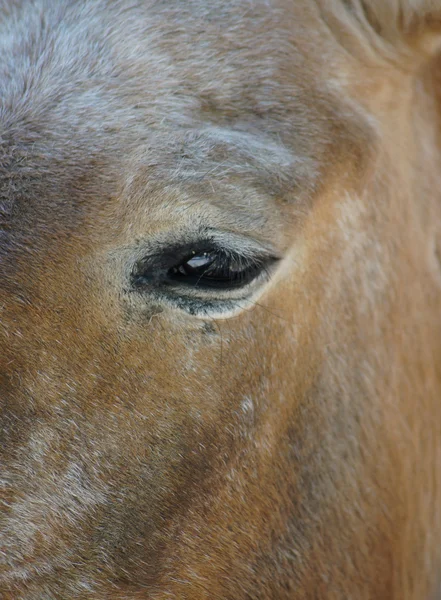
x: 290, y: 446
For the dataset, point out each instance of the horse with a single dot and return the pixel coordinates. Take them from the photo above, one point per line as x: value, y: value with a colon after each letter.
x: 220, y: 295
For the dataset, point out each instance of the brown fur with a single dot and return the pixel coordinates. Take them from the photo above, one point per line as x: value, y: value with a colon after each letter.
x: 291, y: 450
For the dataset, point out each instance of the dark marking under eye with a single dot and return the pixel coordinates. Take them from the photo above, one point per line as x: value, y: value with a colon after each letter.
x: 209, y: 329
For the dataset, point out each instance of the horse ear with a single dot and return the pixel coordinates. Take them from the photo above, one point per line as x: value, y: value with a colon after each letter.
x: 414, y: 23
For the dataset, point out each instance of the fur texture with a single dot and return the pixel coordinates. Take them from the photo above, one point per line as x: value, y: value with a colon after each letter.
x: 291, y: 450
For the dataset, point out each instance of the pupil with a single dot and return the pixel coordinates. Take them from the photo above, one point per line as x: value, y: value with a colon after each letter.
x: 197, y: 266
x: 199, y: 261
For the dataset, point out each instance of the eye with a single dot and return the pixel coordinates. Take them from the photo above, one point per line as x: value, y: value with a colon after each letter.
x: 217, y: 274
x: 216, y: 269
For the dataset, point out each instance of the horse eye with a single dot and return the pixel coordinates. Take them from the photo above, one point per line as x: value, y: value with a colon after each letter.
x: 194, y: 276
x: 215, y: 269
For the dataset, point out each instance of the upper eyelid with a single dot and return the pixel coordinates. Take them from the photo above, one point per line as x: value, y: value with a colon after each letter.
x: 241, y: 245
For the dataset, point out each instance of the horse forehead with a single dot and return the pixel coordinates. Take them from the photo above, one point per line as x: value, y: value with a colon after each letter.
x: 85, y: 84
x: 106, y: 57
